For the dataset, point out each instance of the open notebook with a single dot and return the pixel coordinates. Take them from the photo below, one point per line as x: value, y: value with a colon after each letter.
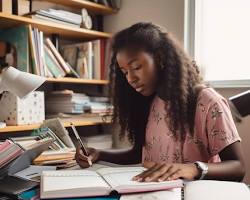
x: 82, y: 183
x: 197, y: 190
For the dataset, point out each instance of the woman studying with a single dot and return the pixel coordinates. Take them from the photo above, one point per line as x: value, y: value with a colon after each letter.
x: 179, y: 127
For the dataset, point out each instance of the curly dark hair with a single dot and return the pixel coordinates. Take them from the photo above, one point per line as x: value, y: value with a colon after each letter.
x: 179, y: 82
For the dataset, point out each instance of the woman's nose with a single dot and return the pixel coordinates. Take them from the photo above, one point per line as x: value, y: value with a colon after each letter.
x: 131, y: 78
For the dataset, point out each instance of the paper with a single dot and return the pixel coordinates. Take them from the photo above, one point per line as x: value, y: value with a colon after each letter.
x: 173, y: 194
x: 72, y: 183
x: 120, y: 179
x: 33, y: 172
x: 222, y: 190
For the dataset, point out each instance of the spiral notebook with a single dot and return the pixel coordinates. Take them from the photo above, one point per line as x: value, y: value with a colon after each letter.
x: 84, y: 183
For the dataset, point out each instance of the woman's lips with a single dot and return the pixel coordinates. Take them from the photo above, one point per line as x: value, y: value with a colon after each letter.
x: 139, y: 89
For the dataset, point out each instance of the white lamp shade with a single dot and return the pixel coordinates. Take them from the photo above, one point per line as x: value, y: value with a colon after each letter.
x: 18, y: 82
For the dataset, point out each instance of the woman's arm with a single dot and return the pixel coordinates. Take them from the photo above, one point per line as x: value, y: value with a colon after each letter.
x: 128, y: 156
x: 232, y: 166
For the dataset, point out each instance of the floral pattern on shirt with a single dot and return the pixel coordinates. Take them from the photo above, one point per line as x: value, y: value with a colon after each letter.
x: 214, y: 130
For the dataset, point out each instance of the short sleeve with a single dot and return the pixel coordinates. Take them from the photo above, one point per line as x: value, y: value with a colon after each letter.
x: 221, y: 130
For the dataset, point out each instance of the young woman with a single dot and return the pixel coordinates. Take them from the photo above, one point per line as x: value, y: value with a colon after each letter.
x: 179, y: 127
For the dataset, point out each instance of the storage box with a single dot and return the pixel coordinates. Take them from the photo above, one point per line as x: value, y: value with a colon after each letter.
x: 16, y: 111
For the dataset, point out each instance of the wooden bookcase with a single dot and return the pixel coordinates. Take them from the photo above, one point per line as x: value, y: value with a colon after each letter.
x: 65, y: 32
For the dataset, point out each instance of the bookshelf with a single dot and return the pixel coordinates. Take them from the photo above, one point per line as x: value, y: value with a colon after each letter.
x: 77, y: 81
x: 90, y: 6
x: 8, y: 21
x: 10, y: 129
x: 64, y: 32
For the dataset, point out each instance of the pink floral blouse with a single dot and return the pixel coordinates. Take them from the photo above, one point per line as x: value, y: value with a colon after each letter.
x: 214, y: 130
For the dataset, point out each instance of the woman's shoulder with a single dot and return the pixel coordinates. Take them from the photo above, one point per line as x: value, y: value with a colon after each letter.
x: 208, y: 96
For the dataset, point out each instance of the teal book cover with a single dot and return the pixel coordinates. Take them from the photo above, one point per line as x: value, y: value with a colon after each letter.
x: 19, y: 38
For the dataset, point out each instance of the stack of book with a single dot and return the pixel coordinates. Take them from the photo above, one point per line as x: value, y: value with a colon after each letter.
x: 8, y: 152
x: 60, y: 159
x: 66, y: 101
x: 100, y: 105
x: 59, y: 154
x: 58, y: 17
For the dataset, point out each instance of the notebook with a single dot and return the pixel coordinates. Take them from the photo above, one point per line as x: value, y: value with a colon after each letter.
x: 197, y: 190
x: 86, y: 183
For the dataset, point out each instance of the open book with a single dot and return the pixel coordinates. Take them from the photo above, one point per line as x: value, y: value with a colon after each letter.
x: 82, y: 183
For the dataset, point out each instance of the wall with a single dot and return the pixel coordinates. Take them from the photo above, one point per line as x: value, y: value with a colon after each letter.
x: 170, y: 14
x: 167, y: 13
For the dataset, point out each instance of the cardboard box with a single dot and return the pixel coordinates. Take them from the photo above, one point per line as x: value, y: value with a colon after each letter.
x: 16, y: 111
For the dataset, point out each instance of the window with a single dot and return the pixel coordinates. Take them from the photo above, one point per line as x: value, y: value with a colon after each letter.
x: 217, y: 35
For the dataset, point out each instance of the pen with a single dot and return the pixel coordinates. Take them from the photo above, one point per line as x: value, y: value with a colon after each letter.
x: 83, y: 148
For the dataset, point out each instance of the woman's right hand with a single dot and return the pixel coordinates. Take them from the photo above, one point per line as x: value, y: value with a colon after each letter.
x: 83, y: 160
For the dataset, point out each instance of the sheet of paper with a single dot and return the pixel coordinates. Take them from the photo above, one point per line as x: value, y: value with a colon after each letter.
x: 222, y: 190
x: 173, y: 194
x: 71, y: 179
x: 120, y: 179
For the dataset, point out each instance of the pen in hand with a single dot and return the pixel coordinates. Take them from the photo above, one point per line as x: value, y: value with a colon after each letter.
x: 83, y: 148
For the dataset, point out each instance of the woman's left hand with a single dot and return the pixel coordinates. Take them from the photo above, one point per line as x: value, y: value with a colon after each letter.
x: 167, y: 172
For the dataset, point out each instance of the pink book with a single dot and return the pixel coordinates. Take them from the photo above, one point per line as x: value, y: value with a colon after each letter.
x: 5, y: 145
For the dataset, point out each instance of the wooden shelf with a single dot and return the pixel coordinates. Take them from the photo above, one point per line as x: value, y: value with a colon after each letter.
x: 35, y: 126
x: 77, y: 81
x: 90, y: 6
x: 8, y: 21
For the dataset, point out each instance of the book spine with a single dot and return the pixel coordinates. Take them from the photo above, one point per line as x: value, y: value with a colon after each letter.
x: 58, y: 56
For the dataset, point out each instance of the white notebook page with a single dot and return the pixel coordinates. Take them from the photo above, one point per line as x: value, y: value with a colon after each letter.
x: 71, y: 179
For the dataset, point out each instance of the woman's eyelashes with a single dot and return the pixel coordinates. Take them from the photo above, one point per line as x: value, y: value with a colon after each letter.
x: 137, y: 67
x: 134, y: 68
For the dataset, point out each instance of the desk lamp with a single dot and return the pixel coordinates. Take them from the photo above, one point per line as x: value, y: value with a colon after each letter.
x: 19, y: 83
x: 240, y: 104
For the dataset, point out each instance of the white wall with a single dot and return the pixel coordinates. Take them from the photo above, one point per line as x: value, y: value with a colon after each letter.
x: 167, y: 13
x: 170, y: 14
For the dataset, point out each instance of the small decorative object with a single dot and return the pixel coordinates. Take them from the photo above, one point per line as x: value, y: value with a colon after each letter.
x: 86, y: 19
x: 8, y: 56
x: 16, y: 111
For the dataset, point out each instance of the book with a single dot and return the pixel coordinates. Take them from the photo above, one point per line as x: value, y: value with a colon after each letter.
x: 6, y: 6
x: 57, y: 127
x: 52, y: 64
x: 8, y: 152
x: 52, y: 20
x: 19, y: 38
x: 85, y: 183
x: 33, y: 52
x: 197, y: 190
x: 58, y: 56
x: 20, y: 7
